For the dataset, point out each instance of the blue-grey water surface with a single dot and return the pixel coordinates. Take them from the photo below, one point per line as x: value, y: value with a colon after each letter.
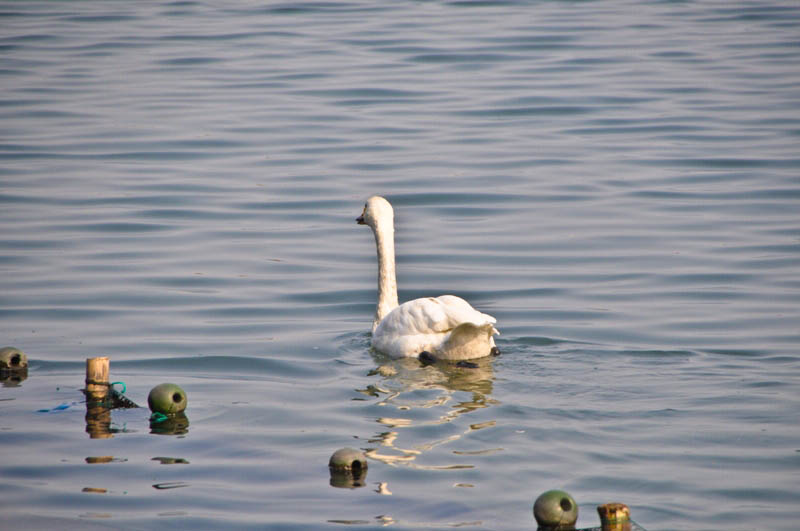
x: 617, y: 182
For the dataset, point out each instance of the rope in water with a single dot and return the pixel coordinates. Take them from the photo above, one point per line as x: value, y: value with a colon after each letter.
x: 157, y: 417
x: 119, y: 399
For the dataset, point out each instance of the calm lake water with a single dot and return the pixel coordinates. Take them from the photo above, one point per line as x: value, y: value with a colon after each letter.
x: 617, y: 182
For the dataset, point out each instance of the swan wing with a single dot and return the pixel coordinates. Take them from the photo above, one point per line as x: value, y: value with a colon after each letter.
x: 438, y: 325
x: 459, y: 311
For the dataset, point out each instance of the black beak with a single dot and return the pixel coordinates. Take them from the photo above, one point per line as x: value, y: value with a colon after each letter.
x: 360, y: 220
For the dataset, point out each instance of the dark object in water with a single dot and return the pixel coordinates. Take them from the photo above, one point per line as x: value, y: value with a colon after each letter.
x: 118, y: 400
x: 426, y: 358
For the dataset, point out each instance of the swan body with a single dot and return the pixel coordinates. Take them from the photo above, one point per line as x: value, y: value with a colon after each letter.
x: 445, y: 327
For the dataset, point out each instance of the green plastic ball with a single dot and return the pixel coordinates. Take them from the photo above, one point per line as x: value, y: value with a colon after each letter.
x: 348, y: 468
x: 167, y: 399
x: 555, y: 509
x: 348, y: 459
x: 12, y: 359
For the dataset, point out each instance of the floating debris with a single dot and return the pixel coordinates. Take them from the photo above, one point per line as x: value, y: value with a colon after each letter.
x: 171, y: 460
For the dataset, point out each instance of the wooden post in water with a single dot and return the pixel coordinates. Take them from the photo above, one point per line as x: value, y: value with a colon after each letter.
x: 97, y: 378
x: 614, y: 517
x: 98, y: 416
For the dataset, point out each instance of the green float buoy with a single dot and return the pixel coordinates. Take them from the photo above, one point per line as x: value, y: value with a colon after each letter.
x: 167, y: 399
x: 12, y: 359
x: 348, y: 468
x: 348, y: 459
x: 555, y: 510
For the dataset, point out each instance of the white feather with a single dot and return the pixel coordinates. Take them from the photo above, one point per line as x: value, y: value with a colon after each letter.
x: 447, y: 326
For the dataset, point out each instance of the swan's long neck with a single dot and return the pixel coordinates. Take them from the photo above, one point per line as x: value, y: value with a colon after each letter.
x: 387, y: 279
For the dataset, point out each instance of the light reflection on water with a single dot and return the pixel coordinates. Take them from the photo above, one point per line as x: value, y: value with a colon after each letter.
x: 406, y: 386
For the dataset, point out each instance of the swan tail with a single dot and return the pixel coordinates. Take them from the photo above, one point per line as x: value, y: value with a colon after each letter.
x: 468, y: 341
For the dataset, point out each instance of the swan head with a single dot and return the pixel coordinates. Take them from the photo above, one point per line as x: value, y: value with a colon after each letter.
x: 377, y: 212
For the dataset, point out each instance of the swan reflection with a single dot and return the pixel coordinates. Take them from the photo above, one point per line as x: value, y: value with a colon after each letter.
x: 405, y: 385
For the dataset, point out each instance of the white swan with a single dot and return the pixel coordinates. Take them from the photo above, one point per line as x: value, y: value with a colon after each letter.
x: 445, y: 327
